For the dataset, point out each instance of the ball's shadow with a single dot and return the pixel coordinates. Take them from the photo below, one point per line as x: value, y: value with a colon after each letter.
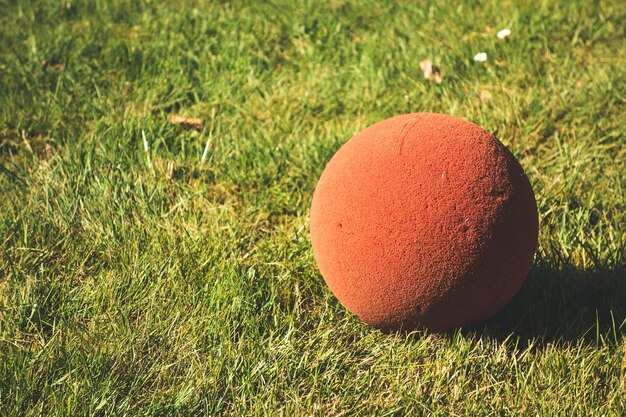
x: 562, y: 305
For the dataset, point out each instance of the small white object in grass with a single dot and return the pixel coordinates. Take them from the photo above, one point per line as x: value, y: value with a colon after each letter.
x: 146, y: 147
x: 208, y: 141
x: 302, y: 227
x: 503, y: 33
x: 480, y: 57
x: 206, y: 150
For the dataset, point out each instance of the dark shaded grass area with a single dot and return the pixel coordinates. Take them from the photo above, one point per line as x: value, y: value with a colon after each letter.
x: 564, y: 305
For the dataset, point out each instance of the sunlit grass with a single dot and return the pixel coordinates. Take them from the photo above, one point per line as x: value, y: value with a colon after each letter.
x: 143, y: 280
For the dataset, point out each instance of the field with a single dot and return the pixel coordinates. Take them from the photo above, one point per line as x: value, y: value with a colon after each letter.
x: 150, y: 268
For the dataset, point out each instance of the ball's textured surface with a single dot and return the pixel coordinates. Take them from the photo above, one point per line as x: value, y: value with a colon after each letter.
x: 424, y: 221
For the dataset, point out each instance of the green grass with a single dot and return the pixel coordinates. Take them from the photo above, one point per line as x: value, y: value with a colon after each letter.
x: 149, y: 283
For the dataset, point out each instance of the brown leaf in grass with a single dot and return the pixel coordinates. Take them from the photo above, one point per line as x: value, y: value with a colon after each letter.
x: 485, y: 95
x: 54, y: 64
x: 186, y: 121
x: 431, y: 72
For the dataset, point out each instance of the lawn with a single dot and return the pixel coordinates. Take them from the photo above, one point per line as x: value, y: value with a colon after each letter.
x: 150, y: 268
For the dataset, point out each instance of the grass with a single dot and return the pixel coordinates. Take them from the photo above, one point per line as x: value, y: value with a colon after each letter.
x: 150, y: 283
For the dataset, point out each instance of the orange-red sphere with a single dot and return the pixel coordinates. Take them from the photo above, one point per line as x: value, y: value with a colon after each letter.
x: 424, y: 221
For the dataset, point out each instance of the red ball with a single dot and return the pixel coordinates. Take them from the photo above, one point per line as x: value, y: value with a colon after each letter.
x: 424, y: 221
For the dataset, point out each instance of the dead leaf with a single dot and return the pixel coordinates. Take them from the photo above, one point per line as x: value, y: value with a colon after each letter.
x: 186, y: 121
x: 357, y: 39
x: 499, y: 63
x: 485, y: 95
x: 431, y: 72
x: 488, y: 29
x: 48, y: 151
x: 54, y: 64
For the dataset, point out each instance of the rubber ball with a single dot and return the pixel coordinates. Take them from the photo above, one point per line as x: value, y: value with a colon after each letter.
x: 424, y: 221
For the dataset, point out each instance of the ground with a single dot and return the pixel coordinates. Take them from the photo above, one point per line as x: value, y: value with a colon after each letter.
x: 139, y: 278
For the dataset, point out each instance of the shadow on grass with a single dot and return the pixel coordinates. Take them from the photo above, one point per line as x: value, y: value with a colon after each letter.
x: 562, y: 305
